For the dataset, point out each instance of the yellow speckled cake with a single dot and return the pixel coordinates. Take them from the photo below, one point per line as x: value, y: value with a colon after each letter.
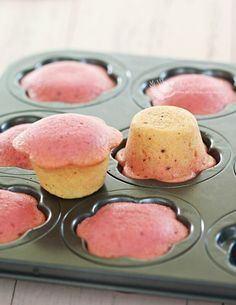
x: 164, y: 143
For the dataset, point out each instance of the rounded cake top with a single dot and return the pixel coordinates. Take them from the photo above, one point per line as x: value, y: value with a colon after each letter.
x: 68, y: 139
x: 67, y: 81
x: 8, y: 155
x: 164, y: 118
x: 198, y: 93
x: 127, y: 229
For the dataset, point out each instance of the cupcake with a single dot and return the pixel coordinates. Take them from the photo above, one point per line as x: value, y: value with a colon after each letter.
x: 70, y: 82
x: 69, y: 152
x: 8, y: 154
x: 164, y: 143
x: 198, y: 93
x: 18, y: 214
x: 127, y: 229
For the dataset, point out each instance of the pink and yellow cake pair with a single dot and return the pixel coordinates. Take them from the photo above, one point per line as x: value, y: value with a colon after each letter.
x: 70, y: 152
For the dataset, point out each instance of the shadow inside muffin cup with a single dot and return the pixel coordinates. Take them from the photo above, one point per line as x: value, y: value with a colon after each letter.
x: 185, y: 213
x: 160, y: 75
x: 226, y: 240
x: 114, y: 71
x: 18, y: 120
x: 164, y: 75
x: 232, y: 255
x: 216, y: 145
x: 106, y: 66
x: 46, y: 204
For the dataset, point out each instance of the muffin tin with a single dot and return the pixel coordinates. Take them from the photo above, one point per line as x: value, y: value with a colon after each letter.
x: 203, y: 265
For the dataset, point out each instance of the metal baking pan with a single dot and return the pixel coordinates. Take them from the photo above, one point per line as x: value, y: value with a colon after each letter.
x: 203, y: 266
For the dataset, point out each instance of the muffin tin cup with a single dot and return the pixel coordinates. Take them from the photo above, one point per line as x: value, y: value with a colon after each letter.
x: 53, y: 253
x: 15, y: 118
x: 163, y: 72
x: 217, y: 146
x: 114, y: 69
x: 88, y: 207
x: 46, y: 204
x: 221, y: 242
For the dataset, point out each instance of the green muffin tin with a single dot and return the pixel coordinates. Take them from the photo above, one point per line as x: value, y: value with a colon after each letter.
x: 203, y: 266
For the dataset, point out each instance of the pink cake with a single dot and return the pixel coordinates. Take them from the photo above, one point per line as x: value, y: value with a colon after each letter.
x: 18, y: 214
x: 67, y: 139
x: 67, y: 81
x: 125, y: 229
x: 8, y: 155
x: 69, y: 153
x: 197, y: 93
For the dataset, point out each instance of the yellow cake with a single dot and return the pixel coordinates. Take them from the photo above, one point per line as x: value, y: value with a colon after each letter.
x: 164, y: 143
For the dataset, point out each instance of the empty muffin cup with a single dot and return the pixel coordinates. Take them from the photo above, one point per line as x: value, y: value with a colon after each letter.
x: 221, y: 242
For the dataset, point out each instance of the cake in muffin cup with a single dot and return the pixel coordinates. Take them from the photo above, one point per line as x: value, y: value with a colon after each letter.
x: 9, y: 156
x: 18, y: 214
x: 198, y: 93
x: 71, y: 82
x: 164, y: 143
x: 134, y: 230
